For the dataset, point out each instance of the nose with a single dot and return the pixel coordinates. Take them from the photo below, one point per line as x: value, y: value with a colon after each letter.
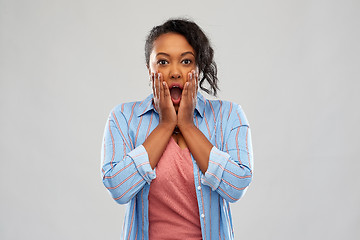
x: 175, y: 73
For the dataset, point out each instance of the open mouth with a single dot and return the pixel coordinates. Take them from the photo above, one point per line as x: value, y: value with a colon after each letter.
x: 175, y: 93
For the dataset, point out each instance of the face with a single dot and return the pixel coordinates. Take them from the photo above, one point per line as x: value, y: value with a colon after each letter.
x: 174, y: 58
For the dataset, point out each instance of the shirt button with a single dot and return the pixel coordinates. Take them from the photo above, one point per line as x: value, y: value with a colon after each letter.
x: 202, y: 215
x: 199, y: 188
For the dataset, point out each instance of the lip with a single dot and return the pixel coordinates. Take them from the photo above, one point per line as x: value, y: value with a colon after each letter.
x: 179, y: 86
x: 176, y: 85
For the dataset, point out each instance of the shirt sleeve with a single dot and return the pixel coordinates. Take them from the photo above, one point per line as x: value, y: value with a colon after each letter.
x: 230, y: 170
x: 125, y: 169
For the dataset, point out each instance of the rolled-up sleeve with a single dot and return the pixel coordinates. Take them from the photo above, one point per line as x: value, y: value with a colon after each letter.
x: 230, y: 169
x: 216, y: 167
x: 141, y: 161
x: 125, y: 169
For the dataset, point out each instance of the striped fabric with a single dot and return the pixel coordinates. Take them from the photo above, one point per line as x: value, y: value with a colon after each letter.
x: 127, y: 174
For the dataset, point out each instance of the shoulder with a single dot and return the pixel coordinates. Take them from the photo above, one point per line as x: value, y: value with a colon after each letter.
x: 229, y: 111
x: 128, y: 110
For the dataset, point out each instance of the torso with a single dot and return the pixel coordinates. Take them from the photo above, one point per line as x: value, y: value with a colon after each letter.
x: 179, y: 139
x: 173, y: 206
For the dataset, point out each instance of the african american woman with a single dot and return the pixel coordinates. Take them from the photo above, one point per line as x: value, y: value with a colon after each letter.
x: 177, y: 159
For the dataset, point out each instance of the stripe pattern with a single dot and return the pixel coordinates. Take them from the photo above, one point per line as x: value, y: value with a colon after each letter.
x: 127, y: 174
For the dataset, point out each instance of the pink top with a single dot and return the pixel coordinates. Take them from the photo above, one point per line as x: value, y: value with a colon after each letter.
x: 173, y: 207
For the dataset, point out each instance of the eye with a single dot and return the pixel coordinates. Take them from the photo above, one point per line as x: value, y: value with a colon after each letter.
x: 162, y: 62
x: 186, y: 61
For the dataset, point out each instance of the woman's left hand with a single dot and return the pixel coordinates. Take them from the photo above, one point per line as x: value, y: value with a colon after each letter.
x: 188, y: 101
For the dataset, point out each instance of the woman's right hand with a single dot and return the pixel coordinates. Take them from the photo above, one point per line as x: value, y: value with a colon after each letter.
x: 162, y: 101
x: 156, y: 142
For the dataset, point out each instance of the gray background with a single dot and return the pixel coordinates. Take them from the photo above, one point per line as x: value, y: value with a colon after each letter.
x: 292, y: 65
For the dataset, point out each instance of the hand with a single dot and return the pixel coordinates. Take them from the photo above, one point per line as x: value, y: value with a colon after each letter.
x: 162, y: 101
x: 188, y: 101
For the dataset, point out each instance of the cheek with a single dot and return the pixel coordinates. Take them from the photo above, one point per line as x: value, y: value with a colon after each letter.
x: 156, y: 68
x: 153, y: 67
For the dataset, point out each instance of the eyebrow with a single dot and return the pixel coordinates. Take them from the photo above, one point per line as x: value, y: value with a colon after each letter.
x: 161, y: 53
x: 183, y: 54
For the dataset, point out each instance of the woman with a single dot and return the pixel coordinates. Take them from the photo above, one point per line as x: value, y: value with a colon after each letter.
x: 177, y: 158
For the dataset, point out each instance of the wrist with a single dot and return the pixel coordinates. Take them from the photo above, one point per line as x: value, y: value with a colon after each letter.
x: 186, y: 126
x: 167, y: 126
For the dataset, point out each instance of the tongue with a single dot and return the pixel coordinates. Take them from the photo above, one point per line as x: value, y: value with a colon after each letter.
x: 175, y: 93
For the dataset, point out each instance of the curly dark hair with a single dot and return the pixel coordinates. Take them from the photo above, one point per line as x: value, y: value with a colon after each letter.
x: 204, y: 54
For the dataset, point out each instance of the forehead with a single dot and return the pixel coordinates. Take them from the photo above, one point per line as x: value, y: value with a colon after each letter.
x: 171, y: 43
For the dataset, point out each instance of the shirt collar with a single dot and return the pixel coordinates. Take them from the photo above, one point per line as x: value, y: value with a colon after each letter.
x: 147, y: 105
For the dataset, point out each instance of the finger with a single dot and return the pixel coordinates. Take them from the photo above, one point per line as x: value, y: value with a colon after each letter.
x: 152, y: 84
x: 166, y: 90
x: 197, y: 82
x: 192, y: 84
x: 155, y: 86
x: 186, y: 86
x: 196, y: 78
x: 158, y: 85
x: 185, y: 92
x: 192, y: 88
x: 161, y: 86
x: 188, y: 79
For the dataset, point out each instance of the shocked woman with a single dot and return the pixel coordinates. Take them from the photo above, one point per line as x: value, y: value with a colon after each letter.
x: 176, y: 158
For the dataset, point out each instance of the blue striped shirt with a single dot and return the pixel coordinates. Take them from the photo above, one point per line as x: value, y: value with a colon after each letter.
x: 127, y: 174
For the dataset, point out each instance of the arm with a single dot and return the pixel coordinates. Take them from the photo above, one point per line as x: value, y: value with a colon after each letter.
x: 197, y: 143
x: 230, y: 171
x: 124, y: 170
x: 156, y: 143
